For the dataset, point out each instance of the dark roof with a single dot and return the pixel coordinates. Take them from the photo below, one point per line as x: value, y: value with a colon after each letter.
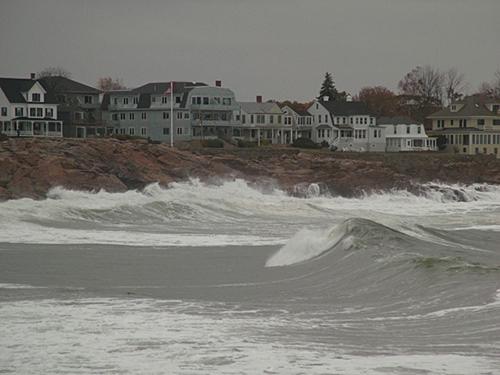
x: 338, y: 108
x: 162, y: 87
x: 396, y: 120
x: 13, y: 87
x: 66, y: 85
x: 323, y: 126
x: 471, y: 106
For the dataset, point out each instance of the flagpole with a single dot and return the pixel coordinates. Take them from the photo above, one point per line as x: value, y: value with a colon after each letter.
x: 171, y: 113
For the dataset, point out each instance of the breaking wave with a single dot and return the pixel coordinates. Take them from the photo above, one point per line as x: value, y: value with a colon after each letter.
x: 233, y: 212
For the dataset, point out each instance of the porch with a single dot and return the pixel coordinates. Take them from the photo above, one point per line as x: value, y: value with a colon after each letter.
x: 32, y: 128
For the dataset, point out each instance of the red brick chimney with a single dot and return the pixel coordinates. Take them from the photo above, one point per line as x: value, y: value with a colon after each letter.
x: 259, y: 98
x: 218, y: 83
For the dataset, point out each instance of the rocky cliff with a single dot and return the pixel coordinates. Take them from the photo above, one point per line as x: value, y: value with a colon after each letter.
x: 31, y: 167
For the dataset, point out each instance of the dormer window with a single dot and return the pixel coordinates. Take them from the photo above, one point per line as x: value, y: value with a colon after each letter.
x: 453, y: 108
x: 35, y: 97
x: 125, y: 100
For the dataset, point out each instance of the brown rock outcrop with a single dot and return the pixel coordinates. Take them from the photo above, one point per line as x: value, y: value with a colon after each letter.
x: 31, y: 167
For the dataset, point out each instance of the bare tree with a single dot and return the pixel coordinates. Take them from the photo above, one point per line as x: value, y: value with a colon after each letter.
x: 454, y: 85
x: 109, y: 84
x: 424, y: 84
x: 491, y: 89
x: 53, y: 71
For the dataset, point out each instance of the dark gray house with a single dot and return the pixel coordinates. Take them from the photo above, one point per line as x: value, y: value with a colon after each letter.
x: 79, y: 106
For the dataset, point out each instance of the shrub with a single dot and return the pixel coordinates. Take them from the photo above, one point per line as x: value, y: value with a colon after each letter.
x: 126, y: 137
x: 213, y: 143
x: 441, y: 142
x: 3, y: 137
x: 325, y: 144
x: 246, y: 144
x: 305, y: 143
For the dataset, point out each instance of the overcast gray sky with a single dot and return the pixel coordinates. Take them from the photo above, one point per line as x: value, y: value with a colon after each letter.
x: 277, y: 48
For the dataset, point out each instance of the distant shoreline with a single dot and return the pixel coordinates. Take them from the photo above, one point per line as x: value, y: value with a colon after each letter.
x: 29, y: 168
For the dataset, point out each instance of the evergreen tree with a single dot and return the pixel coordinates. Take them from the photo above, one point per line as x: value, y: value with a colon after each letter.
x: 328, y: 88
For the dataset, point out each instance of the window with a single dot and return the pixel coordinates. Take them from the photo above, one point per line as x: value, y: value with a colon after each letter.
x: 452, y: 122
x: 480, y: 121
x: 19, y: 111
x: 136, y: 100
x: 407, y: 130
x: 114, y: 117
x: 205, y: 100
x: 78, y: 115
x: 496, y: 108
x: 496, y: 122
x: 125, y: 100
x: 166, y: 131
x: 193, y: 100
x: 131, y: 116
x: 122, y: 116
x: 39, y: 112
x: 166, y: 115
x: 251, y: 119
x: 179, y: 115
x: 395, y: 129
x: 198, y: 100
x: 87, y: 99
x: 35, y: 97
x: 144, y: 116
x: 271, y: 119
x: 178, y: 99
x: 49, y: 112
x: 4, y: 111
x: 261, y: 119
x: 419, y: 129
x: 243, y: 119
x: 217, y: 100
x: 164, y: 99
x: 186, y: 115
x: 144, y: 131
x: 131, y: 131
x: 279, y: 119
x: 115, y: 100
x: 32, y: 112
x: 226, y: 101
x: 179, y: 131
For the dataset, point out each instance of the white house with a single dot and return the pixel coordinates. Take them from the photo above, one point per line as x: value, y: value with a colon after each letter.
x: 264, y: 121
x: 347, y: 126
x: 404, y: 134
x: 26, y: 110
x: 302, y: 121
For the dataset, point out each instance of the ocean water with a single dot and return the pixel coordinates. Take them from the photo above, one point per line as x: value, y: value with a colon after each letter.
x: 236, y: 279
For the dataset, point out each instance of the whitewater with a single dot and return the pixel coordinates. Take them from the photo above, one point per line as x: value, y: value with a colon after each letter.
x: 232, y: 277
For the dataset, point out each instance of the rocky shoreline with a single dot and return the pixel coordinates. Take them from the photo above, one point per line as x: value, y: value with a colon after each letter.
x: 29, y: 168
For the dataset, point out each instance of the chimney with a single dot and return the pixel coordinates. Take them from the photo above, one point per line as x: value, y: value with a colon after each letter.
x: 348, y: 98
x: 218, y: 83
x: 32, y: 75
x: 259, y: 98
